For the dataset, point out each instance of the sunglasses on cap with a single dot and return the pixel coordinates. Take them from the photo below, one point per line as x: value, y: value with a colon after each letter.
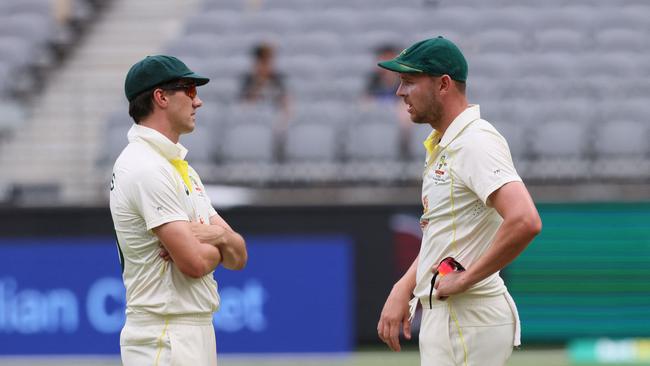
x: 446, y: 266
x: 188, y: 88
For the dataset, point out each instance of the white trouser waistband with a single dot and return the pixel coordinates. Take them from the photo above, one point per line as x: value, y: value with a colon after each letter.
x: 150, y: 318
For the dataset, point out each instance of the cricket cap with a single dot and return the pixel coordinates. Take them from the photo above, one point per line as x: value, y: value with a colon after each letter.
x: 156, y: 70
x: 435, y: 56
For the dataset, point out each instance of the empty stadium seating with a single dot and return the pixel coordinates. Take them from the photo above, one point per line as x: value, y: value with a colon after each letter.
x: 556, y: 78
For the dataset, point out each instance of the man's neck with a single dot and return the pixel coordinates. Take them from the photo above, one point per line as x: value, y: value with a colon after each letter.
x: 450, y: 114
x: 161, y: 126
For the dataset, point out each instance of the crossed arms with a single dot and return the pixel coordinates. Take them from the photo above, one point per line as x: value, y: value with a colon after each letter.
x: 197, y: 249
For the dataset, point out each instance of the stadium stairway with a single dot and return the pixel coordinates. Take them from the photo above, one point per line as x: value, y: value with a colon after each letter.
x: 52, y: 159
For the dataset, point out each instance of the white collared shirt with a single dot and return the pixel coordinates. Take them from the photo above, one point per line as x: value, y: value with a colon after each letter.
x: 147, y: 192
x: 465, y: 166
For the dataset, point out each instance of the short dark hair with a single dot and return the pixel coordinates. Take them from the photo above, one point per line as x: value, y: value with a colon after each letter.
x: 262, y: 51
x: 461, y: 86
x: 141, y: 106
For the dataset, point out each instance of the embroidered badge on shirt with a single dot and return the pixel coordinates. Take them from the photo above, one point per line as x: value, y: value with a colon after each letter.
x: 441, y: 170
x: 196, y: 186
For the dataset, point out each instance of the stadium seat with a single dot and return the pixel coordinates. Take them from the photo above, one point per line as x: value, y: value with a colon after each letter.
x: 505, y: 41
x: 623, y: 138
x: 622, y: 40
x: 339, y: 20
x: 12, y: 116
x: 560, y: 138
x: 319, y: 44
x: 381, y: 113
x: 560, y: 40
x: 247, y: 142
x: 577, y: 17
x: 417, y: 134
x: 327, y: 112
x: 311, y: 142
x: 372, y: 141
x: 604, y: 64
x: 202, y: 142
x: 245, y: 113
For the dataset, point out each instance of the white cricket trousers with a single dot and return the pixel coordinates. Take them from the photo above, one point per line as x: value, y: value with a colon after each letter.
x: 468, y: 331
x: 172, y: 340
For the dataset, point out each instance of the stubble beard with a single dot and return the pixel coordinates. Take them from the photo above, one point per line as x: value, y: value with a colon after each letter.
x: 433, y: 115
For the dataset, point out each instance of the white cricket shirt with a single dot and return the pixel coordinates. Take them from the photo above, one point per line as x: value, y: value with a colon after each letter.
x: 463, y: 168
x: 146, y: 192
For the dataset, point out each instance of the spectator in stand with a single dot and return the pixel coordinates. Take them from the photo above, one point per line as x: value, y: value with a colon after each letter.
x: 380, y: 91
x: 382, y: 84
x: 263, y: 84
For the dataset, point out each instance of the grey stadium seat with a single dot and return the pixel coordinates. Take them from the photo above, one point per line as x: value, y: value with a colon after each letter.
x: 37, y: 7
x: 337, y: 20
x: 622, y: 40
x: 635, y: 110
x: 416, y: 136
x: 201, y: 143
x: 563, y: 17
x: 301, y: 67
x: 198, y: 45
x: 622, y: 138
x: 561, y: 40
x: 560, y: 138
x: 311, y: 142
x: 276, y: 22
x: 372, y: 141
x: 606, y: 18
x: 490, y: 66
x: 317, y: 43
x: 340, y: 89
x: 327, y: 112
x: 384, y: 113
x: 243, y: 113
x: 247, y: 142
x: 12, y: 116
x: 115, y: 139
x: 219, y: 23
x: 507, y: 41
x: 578, y: 111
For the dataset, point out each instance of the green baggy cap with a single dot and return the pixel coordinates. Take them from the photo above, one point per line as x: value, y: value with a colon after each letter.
x: 435, y: 56
x: 155, y: 70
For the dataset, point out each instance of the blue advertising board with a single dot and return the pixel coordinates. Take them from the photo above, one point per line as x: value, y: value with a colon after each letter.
x: 65, y: 296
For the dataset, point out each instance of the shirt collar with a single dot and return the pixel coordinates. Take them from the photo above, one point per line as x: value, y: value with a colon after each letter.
x: 469, y: 115
x: 158, y: 141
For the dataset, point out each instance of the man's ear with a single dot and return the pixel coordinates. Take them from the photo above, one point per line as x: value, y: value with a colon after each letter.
x: 160, y: 98
x: 445, y: 83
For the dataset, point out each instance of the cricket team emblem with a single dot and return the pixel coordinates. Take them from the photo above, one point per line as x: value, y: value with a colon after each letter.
x: 441, y: 170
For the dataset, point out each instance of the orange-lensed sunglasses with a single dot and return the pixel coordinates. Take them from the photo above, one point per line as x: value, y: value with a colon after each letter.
x: 445, y: 267
x: 189, y: 89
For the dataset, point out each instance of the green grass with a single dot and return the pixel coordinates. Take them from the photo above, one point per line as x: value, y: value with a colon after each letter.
x: 553, y: 357
x: 374, y: 357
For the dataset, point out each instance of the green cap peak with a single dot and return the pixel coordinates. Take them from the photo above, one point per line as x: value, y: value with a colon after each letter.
x: 435, y: 56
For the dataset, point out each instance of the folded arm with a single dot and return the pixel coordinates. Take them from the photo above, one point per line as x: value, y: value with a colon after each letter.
x: 219, y: 234
x: 193, y: 258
